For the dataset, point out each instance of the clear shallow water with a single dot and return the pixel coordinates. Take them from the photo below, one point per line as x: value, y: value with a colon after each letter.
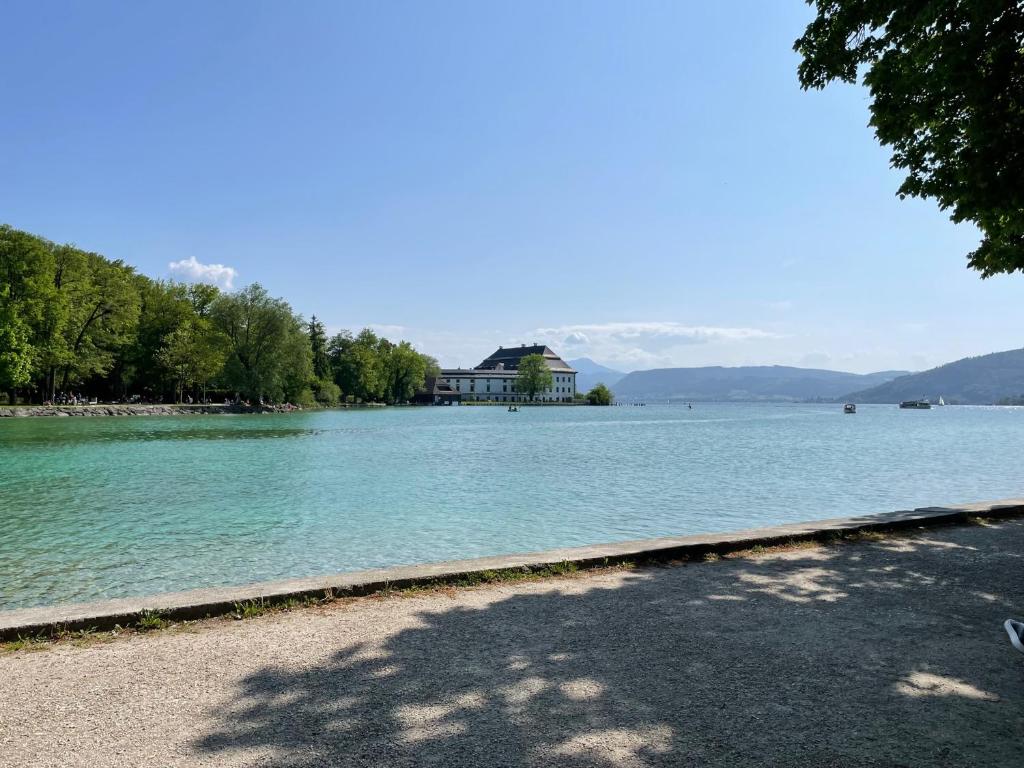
x: 92, y: 508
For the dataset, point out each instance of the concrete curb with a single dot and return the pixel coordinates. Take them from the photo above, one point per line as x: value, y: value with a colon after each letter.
x: 202, y: 603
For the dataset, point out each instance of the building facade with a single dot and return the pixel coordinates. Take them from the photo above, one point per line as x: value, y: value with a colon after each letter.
x: 495, y: 378
x: 436, y: 391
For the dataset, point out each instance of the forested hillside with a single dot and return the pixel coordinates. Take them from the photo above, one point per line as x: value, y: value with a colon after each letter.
x: 980, y: 380
x: 769, y: 382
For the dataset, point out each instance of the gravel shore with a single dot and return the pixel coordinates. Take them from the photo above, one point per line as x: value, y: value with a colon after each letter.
x: 887, y: 653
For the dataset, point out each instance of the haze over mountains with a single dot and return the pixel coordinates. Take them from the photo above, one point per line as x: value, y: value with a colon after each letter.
x: 980, y: 380
x: 771, y: 383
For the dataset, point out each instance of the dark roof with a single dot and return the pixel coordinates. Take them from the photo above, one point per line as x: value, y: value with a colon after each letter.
x: 434, y: 388
x: 438, y: 386
x: 509, y: 357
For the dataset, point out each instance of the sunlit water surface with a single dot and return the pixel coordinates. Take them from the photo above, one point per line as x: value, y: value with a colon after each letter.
x: 93, y: 508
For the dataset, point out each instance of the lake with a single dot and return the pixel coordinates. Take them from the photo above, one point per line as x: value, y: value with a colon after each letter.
x: 94, y: 508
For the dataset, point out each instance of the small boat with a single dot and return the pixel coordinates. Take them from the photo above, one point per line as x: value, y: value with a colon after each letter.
x: 849, y: 408
x: 916, y: 405
x: 941, y: 401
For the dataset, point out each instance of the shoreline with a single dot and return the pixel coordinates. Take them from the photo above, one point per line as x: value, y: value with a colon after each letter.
x: 156, y: 409
x: 218, y: 601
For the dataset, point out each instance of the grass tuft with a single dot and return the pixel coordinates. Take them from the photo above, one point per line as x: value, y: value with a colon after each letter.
x: 151, y: 620
x: 31, y: 643
x: 251, y: 609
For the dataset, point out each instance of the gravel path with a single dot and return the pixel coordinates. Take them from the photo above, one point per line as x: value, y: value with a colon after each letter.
x: 872, y: 654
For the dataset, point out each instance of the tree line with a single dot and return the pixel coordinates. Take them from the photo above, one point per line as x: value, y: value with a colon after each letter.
x: 73, y: 320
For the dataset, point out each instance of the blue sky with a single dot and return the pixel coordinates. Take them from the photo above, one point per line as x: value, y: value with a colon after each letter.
x: 643, y: 183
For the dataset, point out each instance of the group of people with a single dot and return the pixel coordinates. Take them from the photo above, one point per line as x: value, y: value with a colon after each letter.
x: 69, y: 398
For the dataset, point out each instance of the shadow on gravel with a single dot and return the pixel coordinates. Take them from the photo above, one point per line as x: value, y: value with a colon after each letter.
x: 874, y: 654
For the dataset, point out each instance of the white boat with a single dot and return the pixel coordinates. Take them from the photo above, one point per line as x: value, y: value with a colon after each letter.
x: 941, y: 401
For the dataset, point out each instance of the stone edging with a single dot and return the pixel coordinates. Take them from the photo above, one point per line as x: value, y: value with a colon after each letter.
x: 128, y: 409
x: 202, y: 603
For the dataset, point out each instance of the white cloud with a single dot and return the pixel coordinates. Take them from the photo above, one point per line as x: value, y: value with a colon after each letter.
x: 635, y: 345
x: 687, y: 334
x: 632, y: 346
x: 194, y: 271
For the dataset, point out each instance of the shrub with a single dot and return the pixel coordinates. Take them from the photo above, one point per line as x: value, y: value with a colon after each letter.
x: 600, y: 395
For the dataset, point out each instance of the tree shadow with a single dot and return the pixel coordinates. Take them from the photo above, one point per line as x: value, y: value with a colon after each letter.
x: 875, y: 654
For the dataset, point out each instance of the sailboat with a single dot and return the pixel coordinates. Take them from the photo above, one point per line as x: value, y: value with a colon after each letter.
x: 941, y: 401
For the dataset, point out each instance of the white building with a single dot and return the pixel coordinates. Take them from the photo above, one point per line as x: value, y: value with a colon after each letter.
x: 495, y: 378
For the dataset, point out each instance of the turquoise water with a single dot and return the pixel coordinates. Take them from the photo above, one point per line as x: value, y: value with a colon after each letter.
x: 94, y: 508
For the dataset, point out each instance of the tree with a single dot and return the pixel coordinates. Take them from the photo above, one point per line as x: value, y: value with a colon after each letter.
x: 102, y: 318
x: 947, y: 87
x: 268, y: 351
x: 26, y: 299
x: 534, y: 375
x: 195, y: 353
x: 297, y: 363
x: 326, y: 392
x: 405, y: 371
x: 202, y: 296
x: 165, y: 309
x: 357, y: 365
x: 16, y: 352
x: 318, y: 346
x: 600, y: 395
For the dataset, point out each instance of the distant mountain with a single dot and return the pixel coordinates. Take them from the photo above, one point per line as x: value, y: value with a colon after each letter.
x: 589, y: 374
x: 973, y: 381
x: 773, y: 383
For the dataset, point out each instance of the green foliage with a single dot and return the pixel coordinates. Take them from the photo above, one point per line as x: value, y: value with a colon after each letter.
x: 194, y: 352
x: 534, y: 375
x: 268, y: 352
x: 318, y: 349
x: 150, y: 620
x: 326, y: 392
x: 369, y: 368
x: 165, y: 310
x: 600, y: 395
x: 405, y: 370
x: 70, y: 319
x: 946, y: 82
x: 251, y: 609
x: 16, y: 351
x: 102, y: 319
x: 202, y: 296
x: 355, y: 364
